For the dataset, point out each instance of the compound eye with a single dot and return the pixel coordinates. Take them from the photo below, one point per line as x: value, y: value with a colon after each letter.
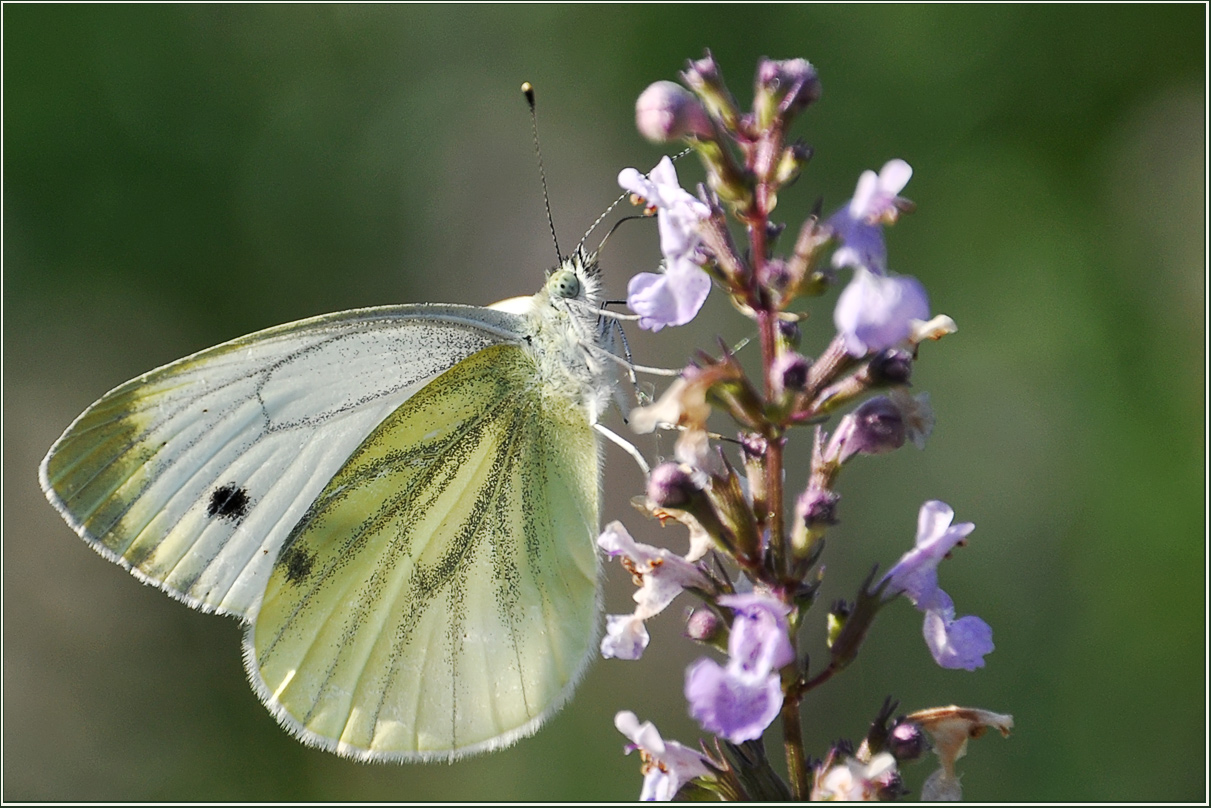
x: 565, y: 284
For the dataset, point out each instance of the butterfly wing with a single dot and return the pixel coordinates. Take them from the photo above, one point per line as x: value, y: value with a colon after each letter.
x: 439, y: 597
x: 192, y: 475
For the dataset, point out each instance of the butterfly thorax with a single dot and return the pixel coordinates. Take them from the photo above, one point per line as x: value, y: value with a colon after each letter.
x: 568, y: 341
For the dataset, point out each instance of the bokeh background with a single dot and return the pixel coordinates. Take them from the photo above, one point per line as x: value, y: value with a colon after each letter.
x: 180, y: 175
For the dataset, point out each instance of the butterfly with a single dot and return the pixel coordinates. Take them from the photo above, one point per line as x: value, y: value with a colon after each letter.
x: 400, y: 504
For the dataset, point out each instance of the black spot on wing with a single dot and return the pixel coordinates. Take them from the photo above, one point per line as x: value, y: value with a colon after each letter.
x: 298, y: 564
x: 228, y: 502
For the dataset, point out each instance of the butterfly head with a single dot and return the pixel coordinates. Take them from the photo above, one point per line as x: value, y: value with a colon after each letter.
x: 576, y: 280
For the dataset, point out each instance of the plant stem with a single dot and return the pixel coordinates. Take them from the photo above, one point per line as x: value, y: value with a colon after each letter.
x: 792, y: 733
x: 767, y: 323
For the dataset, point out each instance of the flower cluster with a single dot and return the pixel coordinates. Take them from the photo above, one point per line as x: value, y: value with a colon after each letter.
x: 756, y: 568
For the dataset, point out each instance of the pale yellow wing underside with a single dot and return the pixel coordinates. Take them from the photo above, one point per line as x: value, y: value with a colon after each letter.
x: 439, y: 597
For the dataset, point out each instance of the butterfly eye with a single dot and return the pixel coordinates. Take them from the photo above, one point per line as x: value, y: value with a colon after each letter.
x: 564, y: 283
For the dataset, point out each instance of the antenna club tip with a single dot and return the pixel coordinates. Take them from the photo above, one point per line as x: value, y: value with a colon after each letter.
x: 527, y: 89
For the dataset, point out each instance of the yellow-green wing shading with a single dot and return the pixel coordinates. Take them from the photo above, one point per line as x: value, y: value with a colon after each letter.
x: 439, y: 598
x: 192, y: 476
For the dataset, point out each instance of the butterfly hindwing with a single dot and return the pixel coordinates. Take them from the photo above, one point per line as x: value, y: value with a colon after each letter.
x: 439, y: 596
x: 192, y: 475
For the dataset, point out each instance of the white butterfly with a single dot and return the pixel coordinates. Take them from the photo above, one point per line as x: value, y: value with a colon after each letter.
x: 399, y: 502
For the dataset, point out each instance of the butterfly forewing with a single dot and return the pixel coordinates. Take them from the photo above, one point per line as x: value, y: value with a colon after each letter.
x: 439, y: 597
x: 193, y: 475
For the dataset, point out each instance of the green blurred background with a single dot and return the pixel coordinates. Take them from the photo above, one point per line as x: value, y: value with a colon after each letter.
x: 177, y: 176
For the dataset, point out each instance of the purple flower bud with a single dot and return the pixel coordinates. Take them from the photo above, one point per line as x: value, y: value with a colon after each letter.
x: 667, y: 111
x: 705, y: 69
x: 818, y: 506
x: 703, y: 625
x: 889, y: 786
x: 774, y: 275
x: 789, y: 332
x: 753, y: 446
x: 891, y: 366
x: 794, y: 82
x: 790, y: 371
x: 670, y: 485
x: 876, y: 427
x: 906, y: 741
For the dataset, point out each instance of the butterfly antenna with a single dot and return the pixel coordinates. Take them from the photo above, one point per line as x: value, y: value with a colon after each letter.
x: 528, y: 90
x: 613, y: 205
x: 604, y: 214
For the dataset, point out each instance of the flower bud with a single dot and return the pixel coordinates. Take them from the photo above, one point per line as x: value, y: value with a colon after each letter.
x: 790, y: 371
x: 907, y: 741
x: 784, y: 88
x: 837, y: 616
x: 753, y: 448
x: 703, y: 77
x: 774, y: 278
x: 670, y: 485
x: 809, y: 248
x: 791, y: 163
x: 877, y: 427
x: 789, y: 333
x: 703, y: 625
x: 891, y: 366
x: 818, y: 506
x: 889, y: 786
x: 735, y: 514
x: 667, y: 111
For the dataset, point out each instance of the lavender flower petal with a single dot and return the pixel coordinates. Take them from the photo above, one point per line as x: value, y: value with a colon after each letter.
x: 730, y: 702
x: 876, y: 312
x: 672, y: 764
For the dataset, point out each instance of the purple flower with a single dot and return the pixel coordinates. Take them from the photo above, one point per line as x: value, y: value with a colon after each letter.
x: 759, y: 638
x: 739, y: 700
x: 673, y: 297
x: 954, y: 643
x: 626, y: 637
x: 854, y: 781
x: 876, y: 427
x: 881, y: 424
x: 676, y: 295
x: 859, y: 225
x: 662, y: 576
x: 877, y: 311
x: 667, y: 765
x: 730, y: 702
